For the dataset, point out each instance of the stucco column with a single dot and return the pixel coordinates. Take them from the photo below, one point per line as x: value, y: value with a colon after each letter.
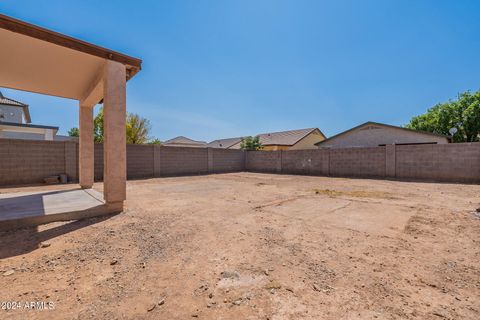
x: 114, y: 146
x: 86, y: 147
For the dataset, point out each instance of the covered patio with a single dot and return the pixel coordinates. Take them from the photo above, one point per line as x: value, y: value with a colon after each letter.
x: 42, y: 61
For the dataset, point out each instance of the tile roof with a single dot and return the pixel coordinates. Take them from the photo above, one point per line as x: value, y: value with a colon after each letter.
x: 10, y: 102
x: 184, y: 140
x: 224, y: 143
x: 285, y: 138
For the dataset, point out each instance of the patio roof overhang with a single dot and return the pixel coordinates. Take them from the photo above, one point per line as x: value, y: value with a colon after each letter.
x: 43, y: 61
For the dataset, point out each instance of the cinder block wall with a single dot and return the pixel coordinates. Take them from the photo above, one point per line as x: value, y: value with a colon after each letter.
x: 30, y: 161
x: 263, y: 161
x: 458, y: 162
x: 98, y: 160
x: 310, y: 162
x: 226, y: 160
x: 357, y: 162
x: 27, y: 161
x: 140, y: 161
x: 447, y: 162
x: 175, y: 161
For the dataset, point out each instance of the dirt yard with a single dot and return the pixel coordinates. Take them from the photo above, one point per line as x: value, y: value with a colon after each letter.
x: 256, y: 246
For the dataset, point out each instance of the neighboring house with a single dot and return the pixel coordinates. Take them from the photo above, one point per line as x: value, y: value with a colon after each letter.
x: 229, y: 143
x: 15, y: 122
x: 292, y: 139
x: 373, y: 134
x: 184, y: 142
x: 283, y: 140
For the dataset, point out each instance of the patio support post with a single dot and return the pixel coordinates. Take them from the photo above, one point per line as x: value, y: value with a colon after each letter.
x: 86, y: 146
x: 114, y: 147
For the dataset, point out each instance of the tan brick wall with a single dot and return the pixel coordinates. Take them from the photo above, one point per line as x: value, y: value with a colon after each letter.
x: 227, y: 160
x: 71, y: 160
x: 315, y: 162
x: 30, y: 161
x: 458, y: 162
x: 27, y: 161
x: 263, y: 161
x: 98, y: 161
x: 390, y: 160
x: 183, y: 161
x: 358, y: 162
x: 140, y: 161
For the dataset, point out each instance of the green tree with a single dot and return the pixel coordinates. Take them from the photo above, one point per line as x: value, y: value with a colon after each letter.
x: 155, y: 141
x: 462, y: 113
x: 251, y: 143
x: 137, y: 129
x: 98, y: 126
x: 74, y: 132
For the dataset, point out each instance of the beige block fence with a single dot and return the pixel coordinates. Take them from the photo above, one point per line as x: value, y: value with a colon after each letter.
x: 29, y: 161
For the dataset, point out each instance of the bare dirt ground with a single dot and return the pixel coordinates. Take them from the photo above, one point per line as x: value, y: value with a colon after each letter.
x: 256, y: 246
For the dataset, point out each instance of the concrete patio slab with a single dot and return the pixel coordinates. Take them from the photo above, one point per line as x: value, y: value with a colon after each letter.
x: 24, y: 209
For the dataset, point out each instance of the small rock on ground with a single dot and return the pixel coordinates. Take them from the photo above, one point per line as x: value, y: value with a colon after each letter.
x: 45, y: 244
x: 8, y: 272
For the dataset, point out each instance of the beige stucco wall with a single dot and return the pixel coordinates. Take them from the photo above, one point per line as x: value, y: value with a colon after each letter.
x: 373, y: 135
x: 12, y: 132
x: 274, y: 148
x: 308, y: 142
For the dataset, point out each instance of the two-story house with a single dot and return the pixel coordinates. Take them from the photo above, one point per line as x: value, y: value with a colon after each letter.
x: 15, y: 122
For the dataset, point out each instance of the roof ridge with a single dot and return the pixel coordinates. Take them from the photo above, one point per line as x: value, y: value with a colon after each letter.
x: 287, y: 131
x: 380, y: 124
x: 13, y: 100
x: 185, y: 138
x: 229, y: 138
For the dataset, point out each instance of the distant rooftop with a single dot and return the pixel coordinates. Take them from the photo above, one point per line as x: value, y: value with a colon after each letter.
x: 224, y: 143
x: 10, y: 102
x: 184, y: 141
x: 383, y: 125
x: 285, y: 138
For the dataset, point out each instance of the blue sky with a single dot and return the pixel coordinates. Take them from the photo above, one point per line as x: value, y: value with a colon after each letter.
x: 217, y: 69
